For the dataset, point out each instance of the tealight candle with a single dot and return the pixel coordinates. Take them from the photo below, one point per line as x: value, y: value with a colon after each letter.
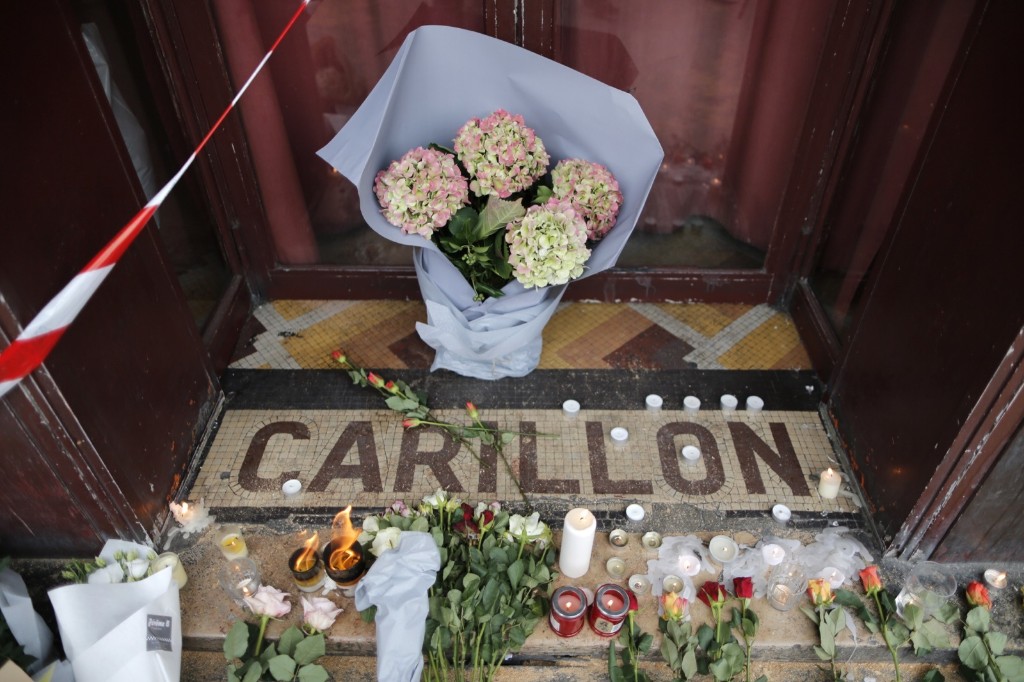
x: 828, y: 486
x: 654, y: 402
x: 689, y: 565
x: 618, y: 537
x: 996, y: 579
x: 723, y: 549
x: 619, y: 434
x: 183, y: 513
x: 691, y: 403
x: 651, y: 539
x: 754, y: 404
x: 834, y: 577
x: 672, y: 583
x: 611, y: 604
x: 691, y: 453
x: 578, y: 533
x: 170, y: 560
x: 781, y: 513
x: 635, y: 512
x: 291, y: 488
x: 570, y: 408
x: 231, y: 543
x: 728, y: 402
x: 639, y: 584
x: 616, y: 568
x: 568, y: 608
x: 773, y: 554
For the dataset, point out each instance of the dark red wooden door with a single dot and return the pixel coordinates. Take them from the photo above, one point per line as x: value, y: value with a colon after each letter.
x: 102, y: 433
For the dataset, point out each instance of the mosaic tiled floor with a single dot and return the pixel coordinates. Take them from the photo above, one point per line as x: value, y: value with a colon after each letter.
x: 304, y: 419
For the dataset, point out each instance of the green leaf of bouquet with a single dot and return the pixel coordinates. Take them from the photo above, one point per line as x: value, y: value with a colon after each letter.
x: 515, y: 572
x: 948, y: 613
x: 613, y: 668
x: 544, y: 194
x: 368, y: 614
x: 420, y: 524
x: 978, y: 619
x: 470, y: 581
x: 310, y: 649
x: 689, y: 664
x: 933, y: 675
x: 237, y: 640
x: 254, y: 672
x: 821, y: 653
x: 232, y: 674
x: 938, y: 636
x: 828, y: 641
x: 313, y: 673
x: 645, y: 643
x: 972, y: 653
x: 462, y: 226
x: 400, y: 404
x: 497, y: 214
x: 704, y: 636
x: 489, y: 595
x: 920, y: 643
x: 810, y: 613
x: 913, y: 615
x: 1012, y: 667
x: 996, y: 642
x: 289, y: 638
x: 721, y: 670
x: 282, y: 667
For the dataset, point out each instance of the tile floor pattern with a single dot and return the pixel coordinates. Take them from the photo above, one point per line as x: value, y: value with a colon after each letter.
x: 382, y: 334
x: 353, y: 453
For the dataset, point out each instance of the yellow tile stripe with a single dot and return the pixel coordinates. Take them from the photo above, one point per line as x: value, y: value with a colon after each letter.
x: 772, y: 340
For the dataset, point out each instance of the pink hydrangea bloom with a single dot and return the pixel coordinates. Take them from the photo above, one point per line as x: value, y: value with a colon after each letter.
x: 548, y: 245
x: 501, y: 155
x: 421, y: 191
x: 593, y: 191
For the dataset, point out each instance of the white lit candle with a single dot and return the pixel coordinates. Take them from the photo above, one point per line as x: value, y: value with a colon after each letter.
x: 689, y: 565
x: 834, y: 577
x: 170, y: 560
x: 773, y: 554
x: 828, y: 486
x: 183, y: 513
x: 577, y: 542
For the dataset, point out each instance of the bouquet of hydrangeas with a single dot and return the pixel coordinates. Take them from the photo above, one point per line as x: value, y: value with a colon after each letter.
x: 513, y: 212
x: 494, y: 209
x: 492, y: 588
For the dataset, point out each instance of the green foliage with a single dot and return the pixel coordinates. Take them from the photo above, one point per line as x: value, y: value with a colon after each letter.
x: 981, y: 651
x: 635, y: 643
x: 830, y: 621
x: 679, y: 648
x: 292, y: 657
x: 475, y: 244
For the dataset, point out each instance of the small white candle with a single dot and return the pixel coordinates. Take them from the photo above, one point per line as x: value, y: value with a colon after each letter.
x: 170, y: 560
x: 635, y: 512
x: 995, y: 578
x: 672, y: 583
x: 577, y: 542
x: 689, y: 565
x: 691, y: 403
x: 639, y: 584
x: 291, y: 488
x: 754, y: 404
x: 781, y: 513
x: 654, y: 402
x: 619, y: 434
x: 691, y: 453
x: 570, y: 408
x: 729, y: 402
x: 773, y: 554
x: 828, y: 486
x: 183, y: 513
x: 834, y: 577
x: 616, y: 568
x: 723, y: 549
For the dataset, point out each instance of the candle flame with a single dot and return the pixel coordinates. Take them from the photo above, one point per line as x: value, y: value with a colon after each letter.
x: 184, y: 507
x: 343, y: 537
x: 307, y: 559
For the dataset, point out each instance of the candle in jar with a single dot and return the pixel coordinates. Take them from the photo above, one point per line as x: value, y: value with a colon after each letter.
x: 616, y: 568
x: 611, y: 603
x: 231, y: 542
x: 672, y: 583
x: 618, y: 537
x: 568, y: 609
x: 170, y: 560
x: 578, y: 533
x: 828, y: 486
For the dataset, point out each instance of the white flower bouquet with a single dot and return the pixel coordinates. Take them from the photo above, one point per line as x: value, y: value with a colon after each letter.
x: 522, y: 204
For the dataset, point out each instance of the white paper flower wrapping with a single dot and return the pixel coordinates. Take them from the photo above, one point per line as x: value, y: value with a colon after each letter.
x: 439, y: 79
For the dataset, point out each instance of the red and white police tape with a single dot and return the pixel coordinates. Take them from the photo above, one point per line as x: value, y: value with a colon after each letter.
x: 35, y: 342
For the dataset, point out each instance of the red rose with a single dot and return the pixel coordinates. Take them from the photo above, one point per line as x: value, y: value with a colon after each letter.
x: 633, y: 603
x: 744, y: 587
x: 712, y: 594
x: 977, y: 595
x: 870, y: 580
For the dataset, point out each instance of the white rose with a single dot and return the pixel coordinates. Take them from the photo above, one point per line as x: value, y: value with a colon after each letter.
x: 138, y: 568
x: 319, y: 613
x: 437, y: 499
x: 386, y: 539
x: 269, y: 601
x: 531, y: 526
x: 370, y: 524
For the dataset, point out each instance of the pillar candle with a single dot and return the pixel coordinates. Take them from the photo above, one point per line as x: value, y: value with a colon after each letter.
x: 170, y: 560
x: 829, y: 485
x: 577, y: 542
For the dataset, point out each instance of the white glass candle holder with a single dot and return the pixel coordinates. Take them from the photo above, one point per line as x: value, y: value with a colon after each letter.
x: 729, y: 402
x: 754, y: 404
x: 291, y: 488
x: 570, y: 408
x: 786, y: 586
x: 691, y: 404
x: 172, y: 561
x: 781, y: 513
x: 653, y: 402
x: 619, y: 435
x: 635, y: 512
x: 691, y: 453
x: 616, y: 568
x: 723, y: 549
x: 672, y: 583
x: 639, y: 584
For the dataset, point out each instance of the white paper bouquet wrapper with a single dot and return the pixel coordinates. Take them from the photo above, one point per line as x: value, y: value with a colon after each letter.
x: 439, y: 79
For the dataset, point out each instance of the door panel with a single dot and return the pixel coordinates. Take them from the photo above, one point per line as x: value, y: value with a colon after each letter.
x: 131, y: 382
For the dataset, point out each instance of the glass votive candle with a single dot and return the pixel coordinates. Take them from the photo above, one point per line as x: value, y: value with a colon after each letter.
x: 611, y: 604
x: 672, y: 583
x: 568, y: 610
x: 651, y: 539
x: 689, y: 564
x: 639, y: 584
x: 240, y: 578
x: 616, y: 568
x: 171, y: 560
x: 786, y: 586
x: 231, y: 542
x: 618, y: 537
x: 307, y: 569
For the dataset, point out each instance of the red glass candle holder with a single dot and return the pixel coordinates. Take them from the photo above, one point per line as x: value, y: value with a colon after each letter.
x: 568, y: 609
x: 611, y: 604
